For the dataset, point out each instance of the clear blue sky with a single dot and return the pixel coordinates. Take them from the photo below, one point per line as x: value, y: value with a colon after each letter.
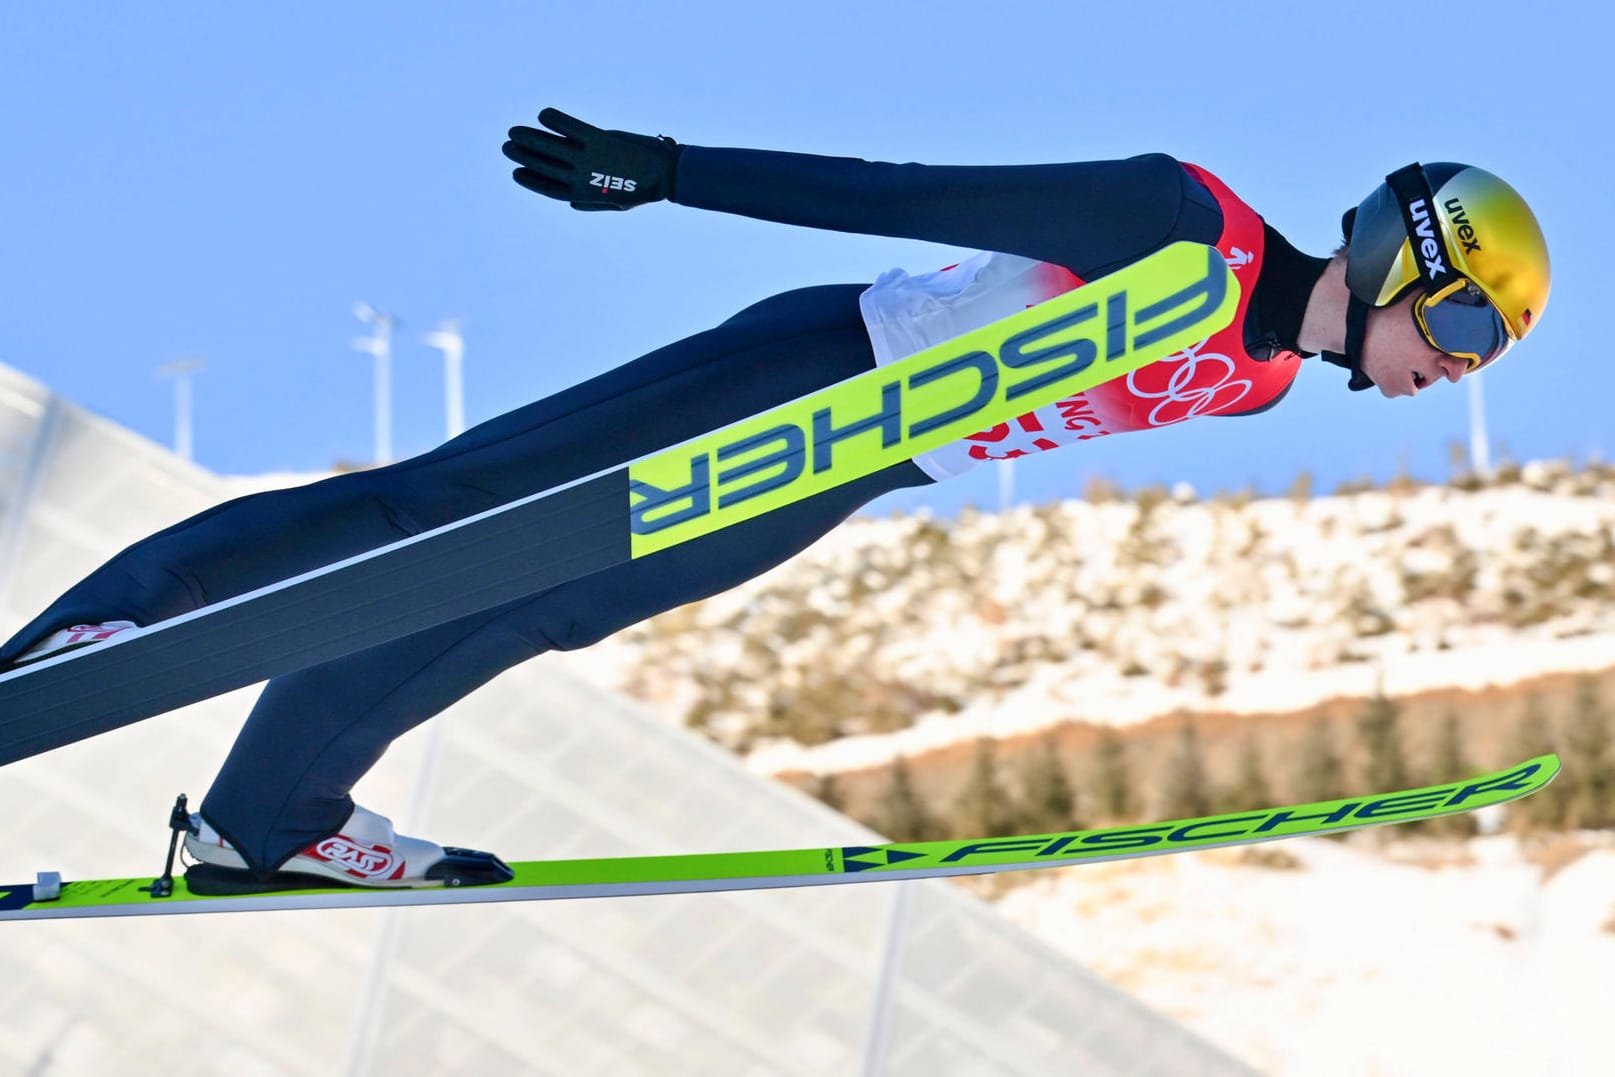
x: 205, y: 179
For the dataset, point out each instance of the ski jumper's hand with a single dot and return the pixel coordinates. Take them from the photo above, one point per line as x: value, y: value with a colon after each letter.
x: 590, y: 168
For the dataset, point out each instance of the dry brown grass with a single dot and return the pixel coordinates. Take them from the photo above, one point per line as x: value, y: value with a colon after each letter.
x: 1431, y: 854
x: 1270, y: 856
x: 1552, y: 853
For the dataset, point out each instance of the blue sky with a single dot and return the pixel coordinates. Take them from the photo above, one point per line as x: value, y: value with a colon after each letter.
x: 215, y: 180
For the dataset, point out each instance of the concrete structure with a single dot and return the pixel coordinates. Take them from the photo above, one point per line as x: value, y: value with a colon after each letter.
x: 536, y: 764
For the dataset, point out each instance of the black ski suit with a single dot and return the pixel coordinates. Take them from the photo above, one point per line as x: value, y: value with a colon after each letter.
x: 314, y: 733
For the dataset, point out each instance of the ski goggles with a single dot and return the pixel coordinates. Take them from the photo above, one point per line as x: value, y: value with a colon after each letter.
x: 1461, y: 321
x: 1453, y: 314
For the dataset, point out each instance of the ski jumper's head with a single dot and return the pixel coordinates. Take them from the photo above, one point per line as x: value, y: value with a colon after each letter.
x: 1458, y: 259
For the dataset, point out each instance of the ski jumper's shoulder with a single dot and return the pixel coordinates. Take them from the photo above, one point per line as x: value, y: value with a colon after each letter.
x: 1221, y: 375
x: 1042, y: 230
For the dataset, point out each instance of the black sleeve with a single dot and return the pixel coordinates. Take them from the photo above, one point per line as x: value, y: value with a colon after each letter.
x: 1090, y: 217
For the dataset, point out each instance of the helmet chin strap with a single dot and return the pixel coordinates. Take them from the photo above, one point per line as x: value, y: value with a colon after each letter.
x: 1352, y: 360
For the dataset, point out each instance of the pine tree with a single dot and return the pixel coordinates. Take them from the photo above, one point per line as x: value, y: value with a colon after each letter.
x: 1250, y: 789
x: 984, y: 808
x: 1111, y: 778
x: 1533, y: 735
x: 1588, y: 759
x: 828, y: 790
x: 1447, y: 760
x: 1187, y: 788
x: 1447, y: 764
x: 902, y: 815
x: 1379, y: 733
x: 1319, y: 772
x: 1048, y: 804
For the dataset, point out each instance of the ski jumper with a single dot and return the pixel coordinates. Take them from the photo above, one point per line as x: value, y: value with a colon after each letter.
x: 312, y: 734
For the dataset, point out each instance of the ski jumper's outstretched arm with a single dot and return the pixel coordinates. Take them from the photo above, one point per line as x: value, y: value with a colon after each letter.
x: 1090, y: 217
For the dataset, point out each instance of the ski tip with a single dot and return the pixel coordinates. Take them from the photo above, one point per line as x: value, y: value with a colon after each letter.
x: 1548, y: 767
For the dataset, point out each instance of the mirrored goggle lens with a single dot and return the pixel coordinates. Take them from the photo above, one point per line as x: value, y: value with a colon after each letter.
x: 1463, y: 323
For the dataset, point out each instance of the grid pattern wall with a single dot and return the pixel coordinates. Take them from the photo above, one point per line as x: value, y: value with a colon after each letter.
x: 535, y: 764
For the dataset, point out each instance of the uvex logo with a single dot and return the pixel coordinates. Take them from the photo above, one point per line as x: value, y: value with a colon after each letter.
x: 1434, y: 267
x: 369, y: 861
x: 611, y: 183
x: 1461, y: 226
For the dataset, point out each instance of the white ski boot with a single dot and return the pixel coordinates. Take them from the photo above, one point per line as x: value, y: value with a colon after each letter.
x: 71, y: 639
x: 365, y: 852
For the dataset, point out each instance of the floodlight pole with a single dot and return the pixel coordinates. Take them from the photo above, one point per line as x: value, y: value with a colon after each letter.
x: 1006, y: 484
x: 181, y: 371
x: 366, y: 1028
x: 1480, y: 452
x: 447, y: 339
x: 878, y: 1038
x: 379, y: 345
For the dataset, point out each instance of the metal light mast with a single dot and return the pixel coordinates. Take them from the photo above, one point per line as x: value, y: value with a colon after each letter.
x: 379, y: 345
x: 1480, y: 453
x: 181, y: 370
x: 446, y: 338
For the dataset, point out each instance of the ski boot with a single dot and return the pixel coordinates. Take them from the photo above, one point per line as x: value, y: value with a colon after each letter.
x: 366, y: 852
x: 71, y: 639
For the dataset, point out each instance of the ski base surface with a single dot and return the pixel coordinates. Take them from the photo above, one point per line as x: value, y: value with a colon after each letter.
x: 542, y: 880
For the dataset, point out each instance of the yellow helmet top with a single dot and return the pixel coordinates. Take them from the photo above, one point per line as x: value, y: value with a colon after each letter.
x: 1490, y: 234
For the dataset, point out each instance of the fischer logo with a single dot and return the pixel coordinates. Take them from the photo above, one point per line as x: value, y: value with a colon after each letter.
x: 1434, y: 267
x: 709, y: 484
x: 1461, y: 225
x: 611, y: 183
x: 1326, y: 815
x: 1238, y: 258
x: 357, y: 858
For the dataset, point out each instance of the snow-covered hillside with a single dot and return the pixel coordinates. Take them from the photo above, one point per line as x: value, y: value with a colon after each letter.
x: 1494, y: 956
x: 1387, y: 954
x: 1384, y: 954
x: 903, y: 634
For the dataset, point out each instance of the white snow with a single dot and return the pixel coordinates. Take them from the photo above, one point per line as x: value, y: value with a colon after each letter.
x: 1355, y: 964
x: 1117, y: 614
x: 1463, y: 958
x: 1414, y: 958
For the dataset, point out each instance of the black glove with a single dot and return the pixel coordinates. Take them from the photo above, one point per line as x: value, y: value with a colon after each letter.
x: 591, y: 168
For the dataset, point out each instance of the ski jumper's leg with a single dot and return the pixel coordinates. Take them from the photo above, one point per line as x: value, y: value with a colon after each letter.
x: 314, y: 733
x: 224, y: 551
x: 263, y: 538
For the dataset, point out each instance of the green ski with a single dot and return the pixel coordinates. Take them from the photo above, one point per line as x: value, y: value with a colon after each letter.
x: 49, y: 898
x: 1143, y: 313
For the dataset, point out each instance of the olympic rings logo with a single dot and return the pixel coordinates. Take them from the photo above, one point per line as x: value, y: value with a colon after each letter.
x: 1201, y: 383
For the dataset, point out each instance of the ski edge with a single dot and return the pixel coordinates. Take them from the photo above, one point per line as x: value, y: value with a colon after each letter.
x: 706, y: 872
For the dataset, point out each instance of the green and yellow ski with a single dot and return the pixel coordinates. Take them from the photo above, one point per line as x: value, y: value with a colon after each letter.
x: 541, y: 880
x: 1176, y: 297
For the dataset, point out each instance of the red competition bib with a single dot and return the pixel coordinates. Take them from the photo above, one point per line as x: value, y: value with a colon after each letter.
x: 1215, y: 377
